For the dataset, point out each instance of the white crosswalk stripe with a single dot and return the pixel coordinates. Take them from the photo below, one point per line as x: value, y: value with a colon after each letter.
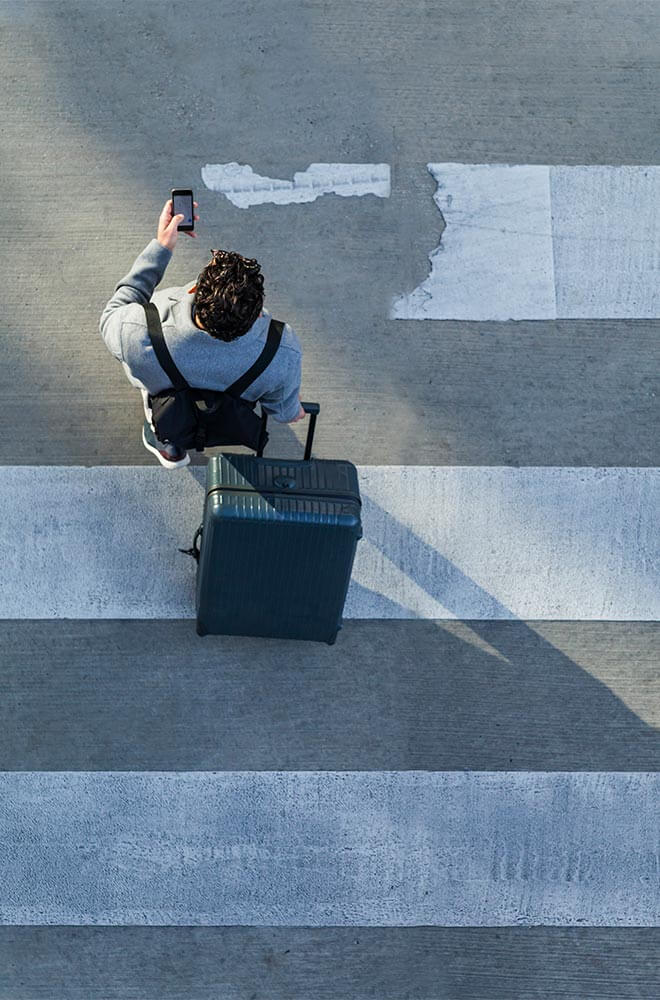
x: 439, y: 542
x: 330, y: 848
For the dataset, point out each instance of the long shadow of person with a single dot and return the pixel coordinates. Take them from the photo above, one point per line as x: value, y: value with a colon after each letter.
x: 496, y: 692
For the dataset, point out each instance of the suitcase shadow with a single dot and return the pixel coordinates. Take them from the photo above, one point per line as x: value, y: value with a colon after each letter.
x: 434, y: 573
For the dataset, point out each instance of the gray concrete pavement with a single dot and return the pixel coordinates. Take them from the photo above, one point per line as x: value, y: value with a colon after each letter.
x: 296, y: 963
x: 389, y: 695
x: 108, y: 106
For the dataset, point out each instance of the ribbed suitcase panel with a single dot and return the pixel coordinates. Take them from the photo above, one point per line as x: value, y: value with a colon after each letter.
x: 315, y: 476
x: 246, y: 508
x: 276, y: 566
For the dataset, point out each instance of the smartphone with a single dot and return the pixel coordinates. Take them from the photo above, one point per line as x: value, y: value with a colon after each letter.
x: 182, y: 202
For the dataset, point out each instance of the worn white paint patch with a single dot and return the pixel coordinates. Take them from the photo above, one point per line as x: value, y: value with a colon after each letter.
x: 542, y: 242
x: 494, y: 260
x: 330, y: 848
x: 439, y: 542
x: 239, y: 183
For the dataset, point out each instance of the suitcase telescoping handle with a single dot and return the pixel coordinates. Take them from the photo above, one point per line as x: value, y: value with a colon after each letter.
x: 313, y: 410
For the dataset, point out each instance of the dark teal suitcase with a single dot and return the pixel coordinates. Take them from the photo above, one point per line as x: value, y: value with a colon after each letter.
x: 278, y: 541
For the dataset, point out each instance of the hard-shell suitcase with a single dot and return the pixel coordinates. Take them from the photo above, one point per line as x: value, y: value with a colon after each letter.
x: 278, y: 541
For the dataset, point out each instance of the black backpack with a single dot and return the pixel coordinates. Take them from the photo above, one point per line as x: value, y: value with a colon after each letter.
x: 204, y: 418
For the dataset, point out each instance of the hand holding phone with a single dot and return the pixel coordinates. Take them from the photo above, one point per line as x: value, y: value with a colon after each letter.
x: 168, y: 228
x: 182, y: 204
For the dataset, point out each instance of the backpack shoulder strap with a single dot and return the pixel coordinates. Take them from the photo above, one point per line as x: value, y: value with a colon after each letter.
x: 272, y: 343
x: 161, y: 349
x: 166, y: 361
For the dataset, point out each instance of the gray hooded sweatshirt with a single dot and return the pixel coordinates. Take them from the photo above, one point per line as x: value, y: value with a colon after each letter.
x: 204, y: 362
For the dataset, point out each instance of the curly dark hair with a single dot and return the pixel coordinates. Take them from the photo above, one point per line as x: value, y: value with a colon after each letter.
x: 229, y: 295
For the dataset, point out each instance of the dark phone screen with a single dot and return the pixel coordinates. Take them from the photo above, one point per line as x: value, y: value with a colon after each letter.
x: 183, y: 203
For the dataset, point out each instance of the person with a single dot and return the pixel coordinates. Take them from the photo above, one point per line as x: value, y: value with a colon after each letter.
x: 215, y: 329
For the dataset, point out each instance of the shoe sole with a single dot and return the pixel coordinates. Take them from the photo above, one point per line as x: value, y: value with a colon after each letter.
x: 168, y: 463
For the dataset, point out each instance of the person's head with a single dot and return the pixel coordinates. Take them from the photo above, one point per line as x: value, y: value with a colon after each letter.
x: 229, y: 295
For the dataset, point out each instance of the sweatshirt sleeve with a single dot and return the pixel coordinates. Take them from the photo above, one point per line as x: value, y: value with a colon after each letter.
x: 136, y: 286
